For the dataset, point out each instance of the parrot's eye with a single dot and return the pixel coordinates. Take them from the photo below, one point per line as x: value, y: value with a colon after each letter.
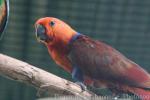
x: 52, y: 23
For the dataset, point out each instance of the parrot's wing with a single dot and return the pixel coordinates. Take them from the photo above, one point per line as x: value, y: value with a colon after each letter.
x: 100, y: 61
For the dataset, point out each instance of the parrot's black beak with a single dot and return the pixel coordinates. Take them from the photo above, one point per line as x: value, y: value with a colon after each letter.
x: 41, y: 34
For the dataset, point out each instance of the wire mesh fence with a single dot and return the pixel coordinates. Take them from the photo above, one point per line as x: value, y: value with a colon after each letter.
x: 124, y: 24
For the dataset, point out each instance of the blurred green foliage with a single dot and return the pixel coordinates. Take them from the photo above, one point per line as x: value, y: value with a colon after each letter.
x: 1, y: 1
x: 124, y: 24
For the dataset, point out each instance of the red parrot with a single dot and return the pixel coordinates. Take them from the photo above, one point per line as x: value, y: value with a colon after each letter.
x: 91, y: 61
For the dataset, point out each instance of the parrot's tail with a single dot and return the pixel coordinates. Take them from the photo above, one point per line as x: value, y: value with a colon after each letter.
x: 141, y: 93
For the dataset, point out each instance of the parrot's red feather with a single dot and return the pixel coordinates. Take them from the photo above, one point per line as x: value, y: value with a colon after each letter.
x: 59, y: 55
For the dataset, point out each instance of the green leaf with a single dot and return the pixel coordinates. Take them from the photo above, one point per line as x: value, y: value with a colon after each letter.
x: 1, y: 2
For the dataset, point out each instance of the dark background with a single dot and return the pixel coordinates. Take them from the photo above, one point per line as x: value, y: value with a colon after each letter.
x: 123, y: 24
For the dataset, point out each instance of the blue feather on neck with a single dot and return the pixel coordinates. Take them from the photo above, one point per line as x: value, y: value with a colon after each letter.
x: 74, y: 37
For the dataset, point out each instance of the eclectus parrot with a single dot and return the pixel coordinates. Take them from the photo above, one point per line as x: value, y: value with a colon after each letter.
x: 91, y: 61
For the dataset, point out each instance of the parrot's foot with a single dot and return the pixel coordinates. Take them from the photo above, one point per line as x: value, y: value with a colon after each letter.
x: 83, y: 87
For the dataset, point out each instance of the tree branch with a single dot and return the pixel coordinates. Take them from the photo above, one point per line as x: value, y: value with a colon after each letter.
x: 40, y: 79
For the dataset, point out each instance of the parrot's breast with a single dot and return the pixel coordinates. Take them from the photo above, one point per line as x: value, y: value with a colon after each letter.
x: 59, y: 55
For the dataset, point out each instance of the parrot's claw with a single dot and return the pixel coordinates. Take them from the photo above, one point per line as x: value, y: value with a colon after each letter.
x: 83, y: 87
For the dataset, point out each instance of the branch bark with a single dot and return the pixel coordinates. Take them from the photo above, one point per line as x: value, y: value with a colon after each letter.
x: 38, y: 78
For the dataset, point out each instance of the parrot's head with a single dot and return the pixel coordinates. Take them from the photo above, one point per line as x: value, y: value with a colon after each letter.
x: 51, y: 30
